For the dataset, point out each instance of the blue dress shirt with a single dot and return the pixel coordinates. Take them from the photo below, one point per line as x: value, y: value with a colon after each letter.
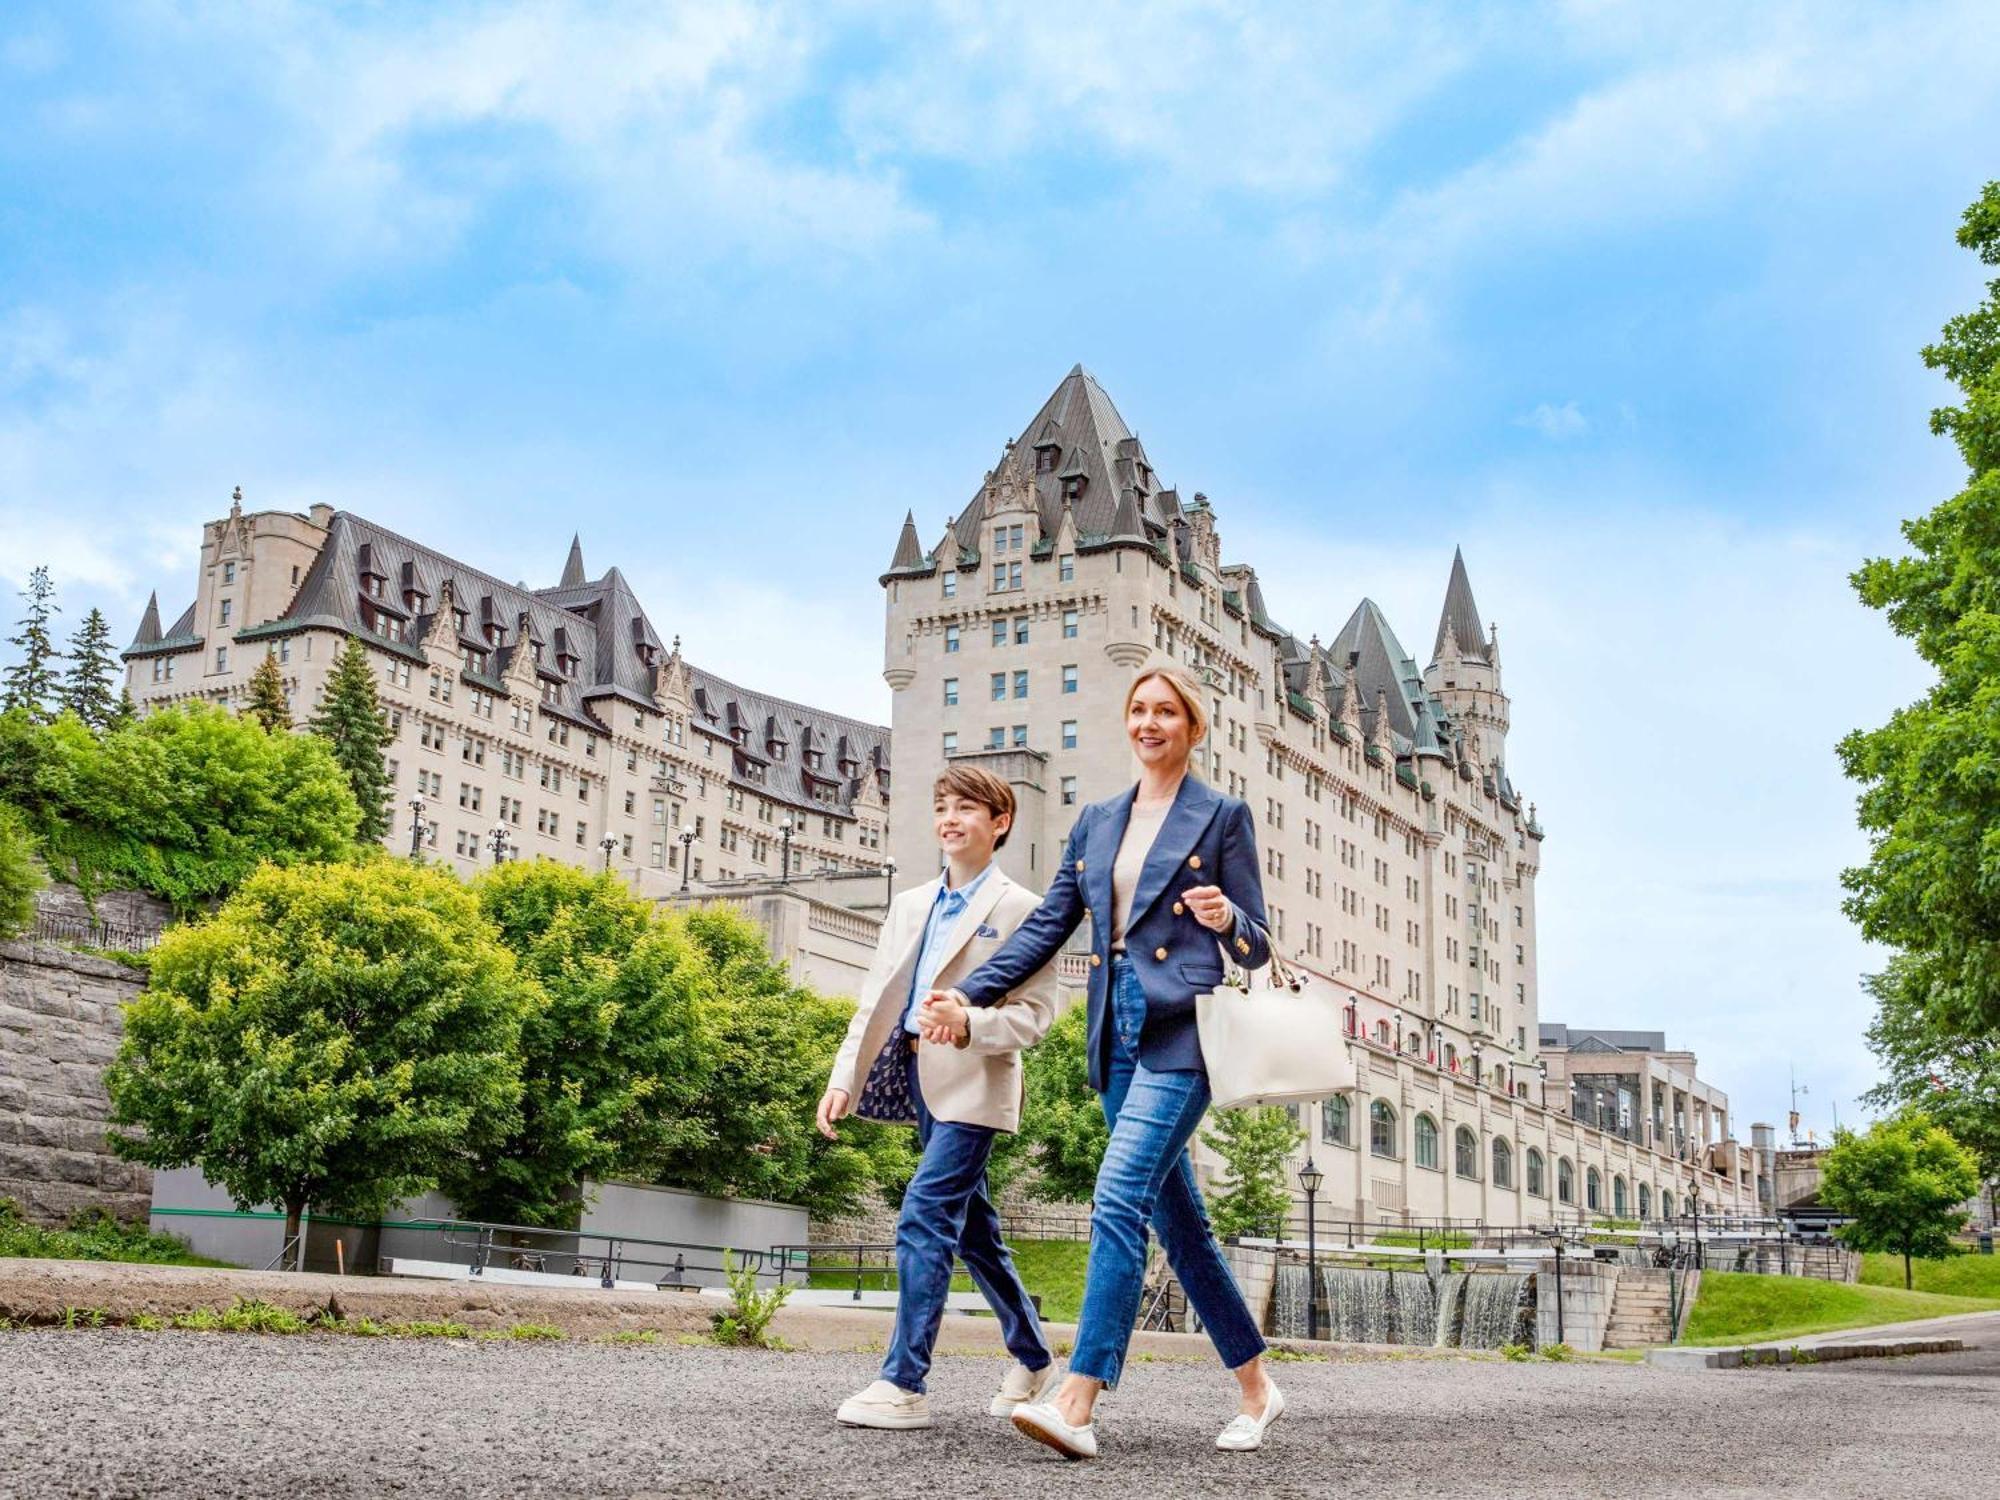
x: 945, y: 911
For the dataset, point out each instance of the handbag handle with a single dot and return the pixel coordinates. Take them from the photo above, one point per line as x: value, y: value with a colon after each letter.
x: 1282, y: 974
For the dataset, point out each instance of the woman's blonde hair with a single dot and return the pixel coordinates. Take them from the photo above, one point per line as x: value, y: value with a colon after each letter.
x: 1184, y: 686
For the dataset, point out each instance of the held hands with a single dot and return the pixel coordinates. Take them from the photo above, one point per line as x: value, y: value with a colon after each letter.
x: 1210, y: 907
x: 833, y: 1105
x: 943, y: 1018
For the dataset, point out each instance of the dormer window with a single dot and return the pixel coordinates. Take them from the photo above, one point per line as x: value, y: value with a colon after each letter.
x: 1072, y: 487
x: 1045, y: 458
x: 458, y: 616
x: 538, y: 653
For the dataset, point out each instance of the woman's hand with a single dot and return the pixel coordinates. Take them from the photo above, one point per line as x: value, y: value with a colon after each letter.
x: 833, y: 1106
x: 1210, y: 907
x: 943, y: 1018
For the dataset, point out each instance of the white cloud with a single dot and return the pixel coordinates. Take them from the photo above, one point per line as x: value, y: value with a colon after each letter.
x: 1555, y: 422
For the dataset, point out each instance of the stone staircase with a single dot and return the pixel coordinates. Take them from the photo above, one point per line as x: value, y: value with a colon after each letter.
x: 1640, y: 1307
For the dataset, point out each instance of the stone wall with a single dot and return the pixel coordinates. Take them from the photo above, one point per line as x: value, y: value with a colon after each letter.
x: 114, y: 919
x: 60, y: 1023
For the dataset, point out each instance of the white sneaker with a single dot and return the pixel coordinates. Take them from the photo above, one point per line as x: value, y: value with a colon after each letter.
x: 1246, y: 1434
x: 1022, y: 1384
x: 885, y: 1404
x: 1041, y: 1421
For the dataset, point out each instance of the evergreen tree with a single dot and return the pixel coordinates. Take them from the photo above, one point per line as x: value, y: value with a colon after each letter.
x: 30, y: 683
x: 351, y: 721
x: 86, y: 690
x: 1253, y: 1144
x: 267, y: 703
x: 124, y: 713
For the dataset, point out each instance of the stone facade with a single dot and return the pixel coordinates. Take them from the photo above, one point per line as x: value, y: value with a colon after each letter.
x: 1399, y: 859
x: 60, y: 1024
x: 553, y: 718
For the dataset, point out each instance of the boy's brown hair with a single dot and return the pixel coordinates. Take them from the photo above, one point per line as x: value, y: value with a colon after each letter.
x: 983, y: 787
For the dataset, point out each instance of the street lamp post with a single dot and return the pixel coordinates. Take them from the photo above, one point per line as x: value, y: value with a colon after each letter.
x: 496, y: 838
x: 1310, y: 1178
x: 1557, y: 1235
x: 607, y: 844
x: 888, y: 882
x: 1542, y: 1072
x: 785, y: 854
x: 1477, y: 1078
x: 687, y: 852
x: 1694, y: 1208
x: 1399, y: 1030
x: 416, y: 825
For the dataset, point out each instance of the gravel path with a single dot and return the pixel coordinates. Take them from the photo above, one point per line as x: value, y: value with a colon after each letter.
x: 116, y: 1412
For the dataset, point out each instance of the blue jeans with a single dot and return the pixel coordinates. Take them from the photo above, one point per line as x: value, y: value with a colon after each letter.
x: 946, y: 1212
x: 1146, y: 1175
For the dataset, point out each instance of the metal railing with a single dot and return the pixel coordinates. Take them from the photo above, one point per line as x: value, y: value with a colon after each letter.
x: 586, y: 1253
x: 51, y: 927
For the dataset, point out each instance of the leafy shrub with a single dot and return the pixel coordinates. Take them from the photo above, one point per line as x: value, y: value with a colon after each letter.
x: 1558, y: 1352
x: 1518, y: 1352
x: 92, y: 1235
x: 20, y: 876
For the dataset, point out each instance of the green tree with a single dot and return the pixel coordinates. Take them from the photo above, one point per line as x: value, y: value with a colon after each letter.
x: 1930, y: 777
x: 1953, y: 1078
x: 335, y: 1037
x: 351, y: 721
x: 184, y: 803
x: 1901, y: 1186
x: 86, y: 689
x: 775, y: 1045
x: 20, y: 877
x: 1253, y: 1145
x: 615, y: 1053
x: 266, y: 703
x: 31, y: 683
x: 1063, y: 1134
x: 124, y: 713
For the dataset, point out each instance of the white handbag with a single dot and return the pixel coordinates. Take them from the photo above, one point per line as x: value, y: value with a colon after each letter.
x: 1281, y: 1043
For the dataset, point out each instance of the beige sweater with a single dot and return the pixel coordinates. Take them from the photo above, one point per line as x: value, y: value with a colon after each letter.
x: 1140, y: 832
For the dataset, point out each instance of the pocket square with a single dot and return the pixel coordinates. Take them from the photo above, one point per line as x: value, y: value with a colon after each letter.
x: 985, y: 931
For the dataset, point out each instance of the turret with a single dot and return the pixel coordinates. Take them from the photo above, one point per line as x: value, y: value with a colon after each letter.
x: 1464, y: 674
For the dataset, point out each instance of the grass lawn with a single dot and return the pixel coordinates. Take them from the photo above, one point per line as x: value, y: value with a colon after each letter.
x: 1955, y: 1276
x: 1741, y: 1308
x: 1052, y: 1269
x: 93, y: 1238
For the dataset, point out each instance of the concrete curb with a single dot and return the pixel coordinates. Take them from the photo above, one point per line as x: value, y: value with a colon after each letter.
x: 1800, y: 1354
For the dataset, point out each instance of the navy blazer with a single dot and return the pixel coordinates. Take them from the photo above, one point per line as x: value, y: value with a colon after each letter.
x: 1205, y: 839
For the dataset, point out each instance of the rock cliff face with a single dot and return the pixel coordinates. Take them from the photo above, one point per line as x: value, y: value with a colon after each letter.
x: 60, y: 1023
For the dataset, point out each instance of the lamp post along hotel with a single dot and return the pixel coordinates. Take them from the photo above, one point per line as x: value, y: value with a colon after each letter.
x: 1399, y: 858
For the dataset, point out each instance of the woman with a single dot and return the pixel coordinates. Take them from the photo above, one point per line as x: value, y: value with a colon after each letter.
x: 1167, y: 873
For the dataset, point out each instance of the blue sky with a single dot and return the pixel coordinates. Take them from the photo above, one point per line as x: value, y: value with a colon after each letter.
x: 1625, y: 299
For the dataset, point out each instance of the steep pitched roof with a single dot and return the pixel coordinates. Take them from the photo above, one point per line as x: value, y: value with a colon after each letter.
x: 1091, y: 443
x: 773, y: 742
x: 572, y: 573
x: 622, y: 646
x: 1367, y: 649
x: 149, y: 623
x: 1461, y: 615
x: 179, y: 636
x: 909, y: 551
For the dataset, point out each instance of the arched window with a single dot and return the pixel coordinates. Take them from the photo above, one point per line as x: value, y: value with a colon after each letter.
x: 1645, y: 1201
x: 1336, y: 1125
x: 1565, y: 1180
x: 1381, y: 1129
x: 1593, y: 1190
x: 1382, y: 1032
x: 1503, y: 1164
x: 1618, y: 1196
x: 1666, y: 1204
x: 1427, y: 1142
x: 1465, y: 1153
x: 1537, y: 1174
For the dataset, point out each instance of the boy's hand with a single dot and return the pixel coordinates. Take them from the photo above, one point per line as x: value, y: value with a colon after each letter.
x: 832, y: 1106
x: 1210, y: 907
x: 943, y: 1019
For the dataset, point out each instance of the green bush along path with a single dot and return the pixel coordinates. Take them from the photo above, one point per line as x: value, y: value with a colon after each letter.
x: 1742, y: 1308
x: 1051, y: 1269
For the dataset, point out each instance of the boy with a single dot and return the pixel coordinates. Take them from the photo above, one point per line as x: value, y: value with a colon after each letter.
x: 959, y: 1096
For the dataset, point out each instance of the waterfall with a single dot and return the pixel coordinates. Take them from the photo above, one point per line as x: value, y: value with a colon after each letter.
x: 1288, y: 1301
x: 1480, y: 1310
x: 1413, y: 1308
x: 1495, y: 1310
x: 1450, y: 1307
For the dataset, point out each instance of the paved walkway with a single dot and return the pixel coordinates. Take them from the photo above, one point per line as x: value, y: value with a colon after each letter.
x: 117, y: 1412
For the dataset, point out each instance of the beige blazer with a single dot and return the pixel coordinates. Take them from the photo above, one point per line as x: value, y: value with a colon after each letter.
x: 979, y: 1081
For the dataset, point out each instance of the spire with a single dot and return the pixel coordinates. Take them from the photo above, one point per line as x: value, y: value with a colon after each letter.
x: 909, y: 551
x: 572, y: 573
x: 1125, y: 522
x: 1460, y: 618
x: 149, y: 623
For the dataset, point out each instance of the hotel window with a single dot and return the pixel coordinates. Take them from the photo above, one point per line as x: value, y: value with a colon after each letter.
x: 229, y: 572
x: 1336, y: 1126
x: 950, y: 744
x: 1066, y: 568
x: 222, y: 658
x: 1020, y: 736
x: 582, y: 830
x: 1020, y: 684
x: 951, y: 585
x: 1021, y: 630
x: 1069, y: 734
x: 1381, y: 1129
x: 1069, y: 624
x: 1069, y: 678
x: 996, y: 738
x: 227, y: 605
x: 951, y: 692
x: 1069, y: 791
x: 999, y: 632
x: 1427, y: 1142
x: 950, y: 638
x: 631, y: 803
x: 1006, y: 575
x: 399, y: 674
x: 998, y: 684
